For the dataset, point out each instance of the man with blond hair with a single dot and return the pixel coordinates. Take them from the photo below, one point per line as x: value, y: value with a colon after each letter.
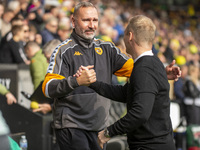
x: 147, y: 122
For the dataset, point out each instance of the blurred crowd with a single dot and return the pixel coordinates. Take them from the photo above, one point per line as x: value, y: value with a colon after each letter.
x: 41, y: 21
x: 177, y: 30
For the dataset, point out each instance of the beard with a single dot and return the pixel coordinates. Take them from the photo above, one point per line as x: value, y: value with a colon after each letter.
x: 84, y: 33
x: 88, y: 36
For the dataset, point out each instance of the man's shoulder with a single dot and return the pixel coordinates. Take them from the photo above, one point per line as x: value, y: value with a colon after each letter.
x: 100, y: 41
x: 65, y: 46
x: 12, y: 44
x: 39, y: 57
x: 151, y: 62
x: 46, y: 33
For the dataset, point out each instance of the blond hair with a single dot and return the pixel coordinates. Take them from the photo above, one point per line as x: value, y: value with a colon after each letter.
x: 143, y: 29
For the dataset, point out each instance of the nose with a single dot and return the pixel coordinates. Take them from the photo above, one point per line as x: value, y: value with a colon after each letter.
x: 91, y: 24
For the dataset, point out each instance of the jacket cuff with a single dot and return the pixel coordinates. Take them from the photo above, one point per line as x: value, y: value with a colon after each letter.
x: 4, y: 91
x: 72, y: 82
x: 95, y: 85
x: 111, y: 134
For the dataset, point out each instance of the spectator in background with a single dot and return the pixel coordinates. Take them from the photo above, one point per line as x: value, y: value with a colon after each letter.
x: 6, y: 22
x: 50, y: 31
x: 178, y: 88
x: 9, y: 96
x: 195, y: 55
x: 162, y: 58
x: 53, y: 11
x: 64, y: 30
x: 17, y: 20
x: 49, y: 47
x: 35, y: 12
x: 38, y: 65
x: 38, y: 39
x: 1, y: 10
x: 168, y: 50
x: 192, y: 95
x: 14, y: 5
x: 26, y: 33
x: 13, y: 51
x: 1, y: 13
x: 115, y: 23
x: 34, y: 36
x: 105, y: 32
x: 23, y: 8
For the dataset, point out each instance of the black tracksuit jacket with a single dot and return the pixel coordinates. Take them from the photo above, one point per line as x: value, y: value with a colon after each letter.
x: 81, y: 107
x: 147, y: 122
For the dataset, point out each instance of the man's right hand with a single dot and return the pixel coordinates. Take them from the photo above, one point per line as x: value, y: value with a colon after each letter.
x: 10, y: 98
x: 85, y: 75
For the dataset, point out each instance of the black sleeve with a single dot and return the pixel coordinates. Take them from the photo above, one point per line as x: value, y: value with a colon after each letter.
x: 10, y: 53
x: 113, y: 92
x: 15, y: 52
x: 17, y: 57
x: 5, y: 54
x: 140, y: 105
x: 58, y: 82
x: 60, y: 88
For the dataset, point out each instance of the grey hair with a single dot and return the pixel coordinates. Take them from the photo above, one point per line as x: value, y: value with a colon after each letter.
x: 80, y: 5
x: 50, y: 46
x: 51, y: 19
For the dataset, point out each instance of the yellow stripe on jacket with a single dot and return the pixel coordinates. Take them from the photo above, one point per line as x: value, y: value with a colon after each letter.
x: 126, y: 69
x: 48, y: 77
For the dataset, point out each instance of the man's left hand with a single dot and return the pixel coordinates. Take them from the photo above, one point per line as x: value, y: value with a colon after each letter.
x: 173, y: 72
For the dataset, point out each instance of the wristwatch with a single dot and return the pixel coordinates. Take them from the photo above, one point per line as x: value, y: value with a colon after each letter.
x: 106, y: 133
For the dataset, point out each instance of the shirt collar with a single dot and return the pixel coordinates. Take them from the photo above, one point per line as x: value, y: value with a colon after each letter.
x: 147, y: 53
x: 81, y: 41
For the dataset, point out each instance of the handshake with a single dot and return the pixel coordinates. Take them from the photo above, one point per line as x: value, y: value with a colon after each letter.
x: 85, y: 75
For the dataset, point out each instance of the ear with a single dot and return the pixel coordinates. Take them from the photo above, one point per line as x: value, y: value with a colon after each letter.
x: 130, y: 36
x: 73, y: 22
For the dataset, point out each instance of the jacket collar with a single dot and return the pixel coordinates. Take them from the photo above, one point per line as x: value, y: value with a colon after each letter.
x: 81, y: 41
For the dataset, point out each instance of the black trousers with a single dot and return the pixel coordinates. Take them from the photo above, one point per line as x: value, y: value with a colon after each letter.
x: 167, y: 144
x: 77, y: 139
